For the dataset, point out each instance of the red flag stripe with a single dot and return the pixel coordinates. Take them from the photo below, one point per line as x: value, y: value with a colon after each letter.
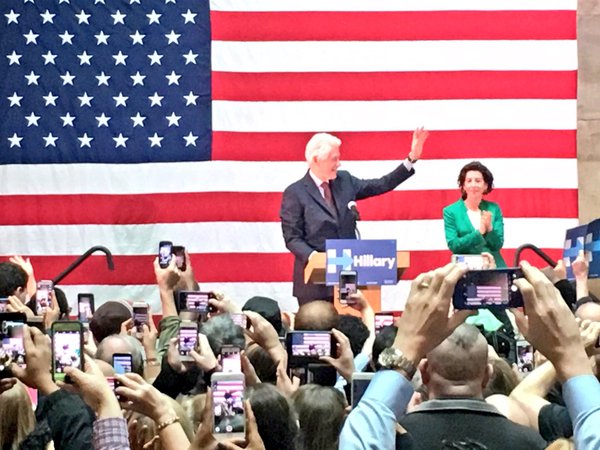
x: 224, y: 267
x: 478, y: 144
x: 392, y: 25
x: 260, y: 207
x: 394, y: 85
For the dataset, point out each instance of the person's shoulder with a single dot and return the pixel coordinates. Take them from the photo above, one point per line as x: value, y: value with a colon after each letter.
x: 489, y: 205
x: 456, y: 206
x: 298, y: 184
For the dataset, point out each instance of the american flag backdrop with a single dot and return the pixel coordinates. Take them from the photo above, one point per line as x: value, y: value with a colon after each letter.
x: 127, y: 122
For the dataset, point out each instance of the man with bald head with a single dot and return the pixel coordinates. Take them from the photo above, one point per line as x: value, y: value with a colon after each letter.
x: 318, y: 315
x: 455, y: 373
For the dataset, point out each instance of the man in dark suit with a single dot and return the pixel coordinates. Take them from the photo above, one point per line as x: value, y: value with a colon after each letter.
x: 315, y: 208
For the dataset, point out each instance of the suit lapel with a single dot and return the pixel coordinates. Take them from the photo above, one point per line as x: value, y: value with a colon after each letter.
x: 314, y: 192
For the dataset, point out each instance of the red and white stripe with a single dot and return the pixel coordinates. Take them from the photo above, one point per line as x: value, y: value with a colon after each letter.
x: 494, y: 81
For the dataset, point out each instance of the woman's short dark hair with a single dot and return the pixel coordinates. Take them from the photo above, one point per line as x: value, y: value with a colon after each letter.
x: 478, y: 167
x: 275, y: 418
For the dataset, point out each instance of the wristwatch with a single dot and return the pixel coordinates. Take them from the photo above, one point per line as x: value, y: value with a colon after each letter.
x: 392, y: 358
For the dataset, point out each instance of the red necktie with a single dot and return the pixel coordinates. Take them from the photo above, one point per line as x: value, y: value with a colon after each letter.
x: 327, y: 194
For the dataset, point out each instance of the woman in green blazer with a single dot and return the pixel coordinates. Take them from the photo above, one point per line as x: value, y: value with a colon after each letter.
x: 474, y: 225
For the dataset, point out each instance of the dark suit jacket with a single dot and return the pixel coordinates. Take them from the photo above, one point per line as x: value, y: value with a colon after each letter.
x: 307, y: 221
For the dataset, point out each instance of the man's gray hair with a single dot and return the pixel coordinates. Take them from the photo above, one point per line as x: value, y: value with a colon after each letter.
x: 320, y: 145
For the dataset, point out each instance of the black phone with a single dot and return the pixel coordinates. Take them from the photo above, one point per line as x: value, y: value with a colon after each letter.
x: 67, y: 348
x: 42, y: 296
x: 347, y: 286
x: 308, y: 346
x: 165, y: 253
x: 113, y: 383
x: 11, y: 336
x: 179, y: 252
x: 85, y: 307
x: 188, y: 339
x: 385, y: 319
x: 140, y: 316
x: 122, y: 363
x: 488, y: 289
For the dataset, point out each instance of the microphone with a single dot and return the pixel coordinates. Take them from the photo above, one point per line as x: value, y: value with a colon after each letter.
x: 352, y: 207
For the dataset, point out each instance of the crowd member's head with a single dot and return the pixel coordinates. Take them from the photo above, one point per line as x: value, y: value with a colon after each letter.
x: 384, y: 339
x: 503, y: 379
x: 323, y: 155
x: 268, y: 308
x: 588, y: 308
x: 221, y: 330
x: 13, y: 281
x: 355, y: 330
x: 17, y: 419
x: 321, y: 412
x: 121, y: 343
x: 316, y: 316
x: 274, y: 417
x: 263, y: 364
x: 475, y: 179
x: 108, y: 318
x: 458, y: 366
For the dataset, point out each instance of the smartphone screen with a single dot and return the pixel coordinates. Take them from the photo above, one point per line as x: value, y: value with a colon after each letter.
x: 42, y: 296
x: 228, y: 406
x: 179, y: 253
x: 140, y: 316
x: 383, y: 320
x: 13, y: 349
x: 113, y: 383
x: 488, y: 289
x: 309, y: 344
x: 229, y: 359
x: 188, y: 338
x: 347, y: 286
x: 66, y: 348
x: 473, y: 262
x: 3, y: 304
x: 164, y: 253
x: 524, y: 356
x: 122, y: 363
x: 359, y: 386
x: 194, y: 301
x: 240, y: 320
x: 85, y: 307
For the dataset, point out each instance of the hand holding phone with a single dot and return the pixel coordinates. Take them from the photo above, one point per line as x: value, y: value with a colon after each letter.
x: 188, y: 339
x: 67, y: 348
x: 141, y: 316
x: 304, y: 347
x: 42, y: 296
x: 13, y: 346
x: 227, y: 390
x: 348, y: 286
x: 490, y: 289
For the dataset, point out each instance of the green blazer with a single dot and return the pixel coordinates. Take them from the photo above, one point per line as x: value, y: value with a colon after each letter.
x: 463, y: 239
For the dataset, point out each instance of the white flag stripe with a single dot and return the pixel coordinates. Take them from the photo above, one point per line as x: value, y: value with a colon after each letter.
x: 235, y: 176
x: 391, y: 5
x: 251, y: 237
x: 386, y: 115
x: 393, y: 297
x: 408, y: 56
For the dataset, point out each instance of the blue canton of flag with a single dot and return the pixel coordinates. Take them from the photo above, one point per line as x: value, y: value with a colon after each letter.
x: 104, y: 81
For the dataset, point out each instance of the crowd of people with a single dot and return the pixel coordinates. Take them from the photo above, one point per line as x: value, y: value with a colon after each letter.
x: 438, y: 383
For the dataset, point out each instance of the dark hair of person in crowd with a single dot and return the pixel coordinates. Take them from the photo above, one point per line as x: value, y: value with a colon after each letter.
x: 355, y: 330
x: 263, y: 364
x: 503, y: 380
x: 321, y: 414
x: 384, y: 339
x: 12, y: 277
x: 221, y: 330
x: 275, y: 417
x: 17, y: 419
x: 485, y: 173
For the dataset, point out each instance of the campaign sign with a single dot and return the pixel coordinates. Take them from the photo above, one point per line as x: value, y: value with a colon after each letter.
x: 586, y: 238
x: 373, y: 260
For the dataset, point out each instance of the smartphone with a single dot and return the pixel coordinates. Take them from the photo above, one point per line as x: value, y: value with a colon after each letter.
x: 85, y: 307
x: 384, y: 319
x: 113, y: 383
x: 3, y: 304
x: 179, y: 252
x: 165, y: 253
x: 240, y: 320
x: 67, y: 348
x: 42, y: 296
x: 307, y: 346
x: 227, y: 391
x: 229, y: 359
x: 473, y: 262
x: 122, y: 363
x: 11, y: 336
x: 347, y: 286
x: 524, y: 356
x: 195, y: 301
x: 140, y: 316
x: 360, y: 383
x: 488, y: 289
x: 188, y: 339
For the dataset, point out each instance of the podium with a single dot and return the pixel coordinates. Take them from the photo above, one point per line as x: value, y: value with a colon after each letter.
x: 314, y: 272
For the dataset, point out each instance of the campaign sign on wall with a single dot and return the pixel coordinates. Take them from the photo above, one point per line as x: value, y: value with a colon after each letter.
x: 374, y: 260
x: 586, y: 238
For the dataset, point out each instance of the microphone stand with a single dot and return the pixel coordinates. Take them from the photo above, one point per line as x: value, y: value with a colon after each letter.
x: 97, y: 248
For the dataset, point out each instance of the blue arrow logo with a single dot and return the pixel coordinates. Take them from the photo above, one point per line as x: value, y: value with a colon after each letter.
x: 344, y: 260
